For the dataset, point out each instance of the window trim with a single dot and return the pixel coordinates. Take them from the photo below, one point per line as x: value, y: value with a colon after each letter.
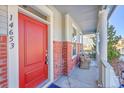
x: 74, y: 27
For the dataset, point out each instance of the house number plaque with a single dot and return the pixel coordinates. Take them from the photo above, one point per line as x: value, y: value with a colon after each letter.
x: 11, y: 33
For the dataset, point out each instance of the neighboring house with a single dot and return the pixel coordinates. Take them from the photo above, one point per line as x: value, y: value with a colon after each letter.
x: 88, y: 43
x: 39, y: 44
x: 120, y: 46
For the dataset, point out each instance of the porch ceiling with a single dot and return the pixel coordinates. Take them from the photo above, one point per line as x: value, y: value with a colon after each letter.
x: 84, y: 15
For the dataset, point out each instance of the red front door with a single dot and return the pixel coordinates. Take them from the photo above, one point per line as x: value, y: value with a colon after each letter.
x: 33, y: 69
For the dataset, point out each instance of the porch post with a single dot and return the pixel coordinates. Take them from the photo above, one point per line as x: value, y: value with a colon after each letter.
x: 97, y: 55
x: 103, y: 42
x: 97, y: 48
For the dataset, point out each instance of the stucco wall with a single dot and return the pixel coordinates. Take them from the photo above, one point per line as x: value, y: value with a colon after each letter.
x: 63, y: 26
x: 69, y: 25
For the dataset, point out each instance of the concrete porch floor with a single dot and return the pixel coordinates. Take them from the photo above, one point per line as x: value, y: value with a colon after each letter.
x: 80, y: 78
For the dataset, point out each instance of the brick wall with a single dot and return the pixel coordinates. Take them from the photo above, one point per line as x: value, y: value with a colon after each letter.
x: 65, y: 56
x: 3, y: 61
x: 3, y: 45
x: 63, y: 62
x: 57, y: 54
x: 68, y: 62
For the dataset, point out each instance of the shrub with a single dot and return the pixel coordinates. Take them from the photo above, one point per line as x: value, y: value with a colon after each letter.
x: 112, y: 42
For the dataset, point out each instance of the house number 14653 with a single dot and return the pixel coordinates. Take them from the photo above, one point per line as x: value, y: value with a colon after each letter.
x: 11, y: 33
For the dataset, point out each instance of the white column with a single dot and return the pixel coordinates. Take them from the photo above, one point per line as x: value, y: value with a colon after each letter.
x: 103, y: 41
x: 98, y: 56
x: 97, y: 48
x: 103, y: 35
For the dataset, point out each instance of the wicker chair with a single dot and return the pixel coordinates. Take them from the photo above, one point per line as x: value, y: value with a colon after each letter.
x: 84, y: 61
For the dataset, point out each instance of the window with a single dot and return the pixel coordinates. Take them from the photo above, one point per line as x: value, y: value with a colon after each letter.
x: 74, y: 45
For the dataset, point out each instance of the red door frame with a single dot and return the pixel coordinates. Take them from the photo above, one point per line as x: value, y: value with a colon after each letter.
x: 21, y: 50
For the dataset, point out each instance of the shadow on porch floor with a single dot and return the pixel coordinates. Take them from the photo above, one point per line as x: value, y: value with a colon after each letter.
x: 80, y: 78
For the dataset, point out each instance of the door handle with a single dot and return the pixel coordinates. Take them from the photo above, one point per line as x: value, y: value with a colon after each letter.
x: 46, y: 60
x: 46, y: 57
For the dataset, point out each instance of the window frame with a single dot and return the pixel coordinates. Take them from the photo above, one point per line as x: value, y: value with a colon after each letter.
x: 74, y: 41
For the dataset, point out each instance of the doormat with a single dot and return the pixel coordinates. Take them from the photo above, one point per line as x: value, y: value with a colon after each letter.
x: 53, y: 86
x: 121, y: 86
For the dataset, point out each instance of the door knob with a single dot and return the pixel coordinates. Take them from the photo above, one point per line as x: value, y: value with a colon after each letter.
x: 46, y: 60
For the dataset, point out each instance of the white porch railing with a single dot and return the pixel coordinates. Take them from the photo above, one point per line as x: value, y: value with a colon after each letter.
x: 109, y: 78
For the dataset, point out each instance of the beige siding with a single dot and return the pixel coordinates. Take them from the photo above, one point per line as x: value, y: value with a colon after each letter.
x: 3, y: 19
x: 57, y: 24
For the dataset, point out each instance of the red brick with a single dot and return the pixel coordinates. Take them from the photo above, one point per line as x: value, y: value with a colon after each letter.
x: 3, y: 81
x: 3, y: 45
x: 4, y: 69
x: 3, y: 60
x: 3, y: 38
x: 4, y: 76
x: 63, y: 62
x: 4, y: 85
x: 3, y: 50
x: 57, y: 50
x: 3, y: 65
x: 3, y: 73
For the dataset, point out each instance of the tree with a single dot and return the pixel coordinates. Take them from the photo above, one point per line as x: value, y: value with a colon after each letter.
x: 112, y: 42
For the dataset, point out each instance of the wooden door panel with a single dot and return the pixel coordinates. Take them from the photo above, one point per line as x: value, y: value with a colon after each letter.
x: 33, y: 66
x: 34, y: 43
x: 32, y: 75
x: 34, y: 82
x: 32, y: 47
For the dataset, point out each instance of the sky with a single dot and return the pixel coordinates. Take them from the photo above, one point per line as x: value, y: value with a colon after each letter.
x: 117, y: 19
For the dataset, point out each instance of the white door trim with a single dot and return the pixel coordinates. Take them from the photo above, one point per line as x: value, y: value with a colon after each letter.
x: 13, y: 54
x: 13, y: 60
x: 21, y: 10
